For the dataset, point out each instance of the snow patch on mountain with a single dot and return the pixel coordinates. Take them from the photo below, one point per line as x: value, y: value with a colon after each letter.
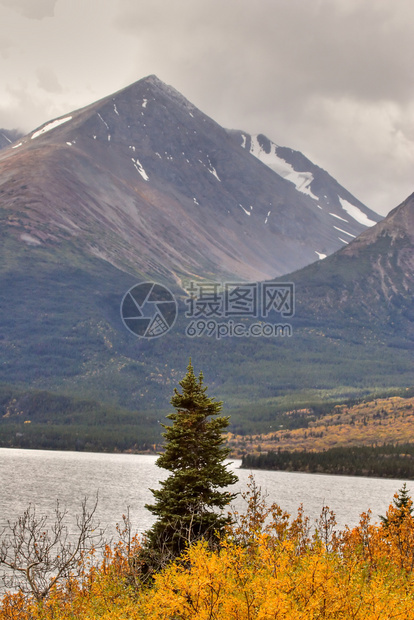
x: 344, y: 231
x: 104, y: 122
x: 29, y: 239
x: 212, y: 170
x: 338, y: 217
x: 301, y: 180
x: 356, y: 213
x: 51, y: 126
x: 245, y: 210
x: 139, y: 168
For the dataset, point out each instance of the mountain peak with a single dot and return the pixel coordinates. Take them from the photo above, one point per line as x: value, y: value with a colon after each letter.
x: 129, y: 173
x: 397, y: 225
x: 154, y: 85
x: 157, y: 86
x: 153, y: 79
x: 149, y: 80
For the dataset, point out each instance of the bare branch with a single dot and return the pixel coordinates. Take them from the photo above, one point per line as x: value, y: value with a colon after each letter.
x: 34, y: 557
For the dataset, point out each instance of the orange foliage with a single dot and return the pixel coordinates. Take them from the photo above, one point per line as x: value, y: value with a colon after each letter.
x: 268, y: 567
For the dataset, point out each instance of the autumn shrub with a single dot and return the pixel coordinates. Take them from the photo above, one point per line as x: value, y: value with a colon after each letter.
x: 268, y: 566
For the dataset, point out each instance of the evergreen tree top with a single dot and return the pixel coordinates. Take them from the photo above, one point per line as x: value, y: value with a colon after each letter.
x: 189, y: 502
x: 402, y: 507
x: 193, y: 397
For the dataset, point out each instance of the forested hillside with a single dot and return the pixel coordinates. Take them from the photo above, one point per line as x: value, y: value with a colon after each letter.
x: 373, y: 438
x: 367, y: 423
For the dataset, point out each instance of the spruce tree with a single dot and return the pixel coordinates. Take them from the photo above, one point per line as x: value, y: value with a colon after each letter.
x: 403, y: 507
x: 189, y: 503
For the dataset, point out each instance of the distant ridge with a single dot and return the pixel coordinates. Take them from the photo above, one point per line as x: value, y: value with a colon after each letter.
x: 371, y: 280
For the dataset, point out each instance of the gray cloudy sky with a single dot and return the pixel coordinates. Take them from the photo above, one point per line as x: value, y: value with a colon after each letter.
x: 332, y: 78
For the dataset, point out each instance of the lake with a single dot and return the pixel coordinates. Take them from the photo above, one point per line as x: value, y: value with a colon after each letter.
x: 123, y: 480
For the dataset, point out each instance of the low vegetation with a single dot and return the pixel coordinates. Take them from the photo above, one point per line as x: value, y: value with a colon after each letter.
x: 361, y: 439
x: 266, y: 566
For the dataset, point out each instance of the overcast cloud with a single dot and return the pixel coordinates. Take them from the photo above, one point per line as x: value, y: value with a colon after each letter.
x: 332, y: 78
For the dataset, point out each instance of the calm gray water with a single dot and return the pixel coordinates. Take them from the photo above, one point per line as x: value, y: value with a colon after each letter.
x: 121, y: 480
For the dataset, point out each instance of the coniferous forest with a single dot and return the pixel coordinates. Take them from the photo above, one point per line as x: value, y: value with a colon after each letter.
x: 387, y: 461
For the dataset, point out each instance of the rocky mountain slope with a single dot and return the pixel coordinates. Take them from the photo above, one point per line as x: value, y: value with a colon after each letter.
x: 372, y: 279
x: 146, y: 181
x: 8, y: 137
x: 313, y: 181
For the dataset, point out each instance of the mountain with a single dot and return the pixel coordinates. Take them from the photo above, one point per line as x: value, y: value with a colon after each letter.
x: 7, y: 137
x: 312, y: 181
x: 370, y: 280
x: 143, y: 186
x: 146, y: 181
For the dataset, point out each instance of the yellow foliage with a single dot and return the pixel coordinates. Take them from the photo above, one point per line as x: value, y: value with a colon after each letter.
x: 268, y: 567
x: 274, y: 582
